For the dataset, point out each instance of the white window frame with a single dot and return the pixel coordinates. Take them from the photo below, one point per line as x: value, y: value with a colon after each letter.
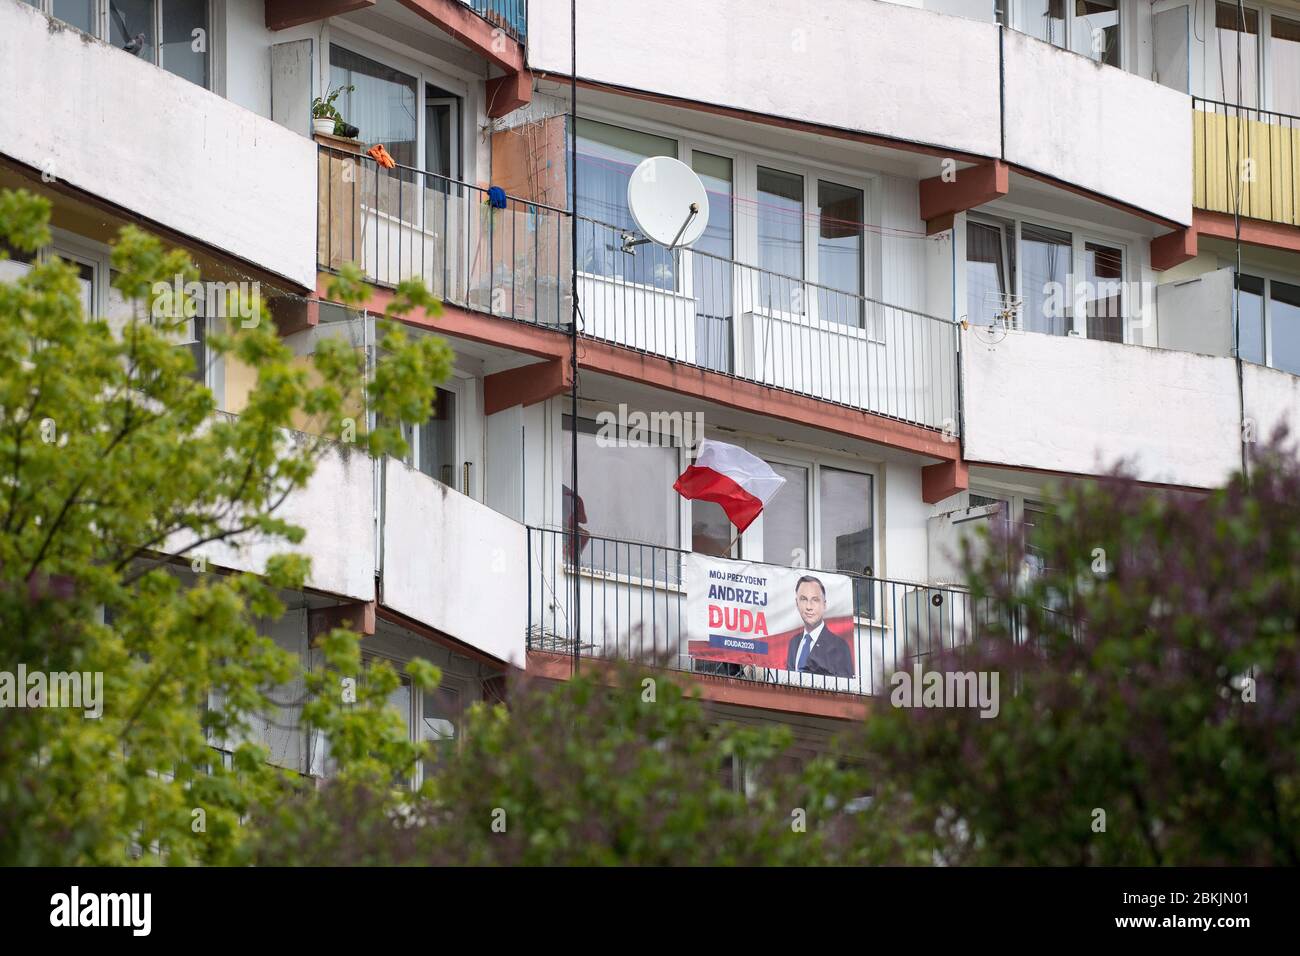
x: 1263, y: 83
x: 74, y: 248
x: 587, y: 411
x: 1269, y: 276
x: 315, y: 760
x: 465, y: 423
x: 102, y: 17
x: 1009, y: 230
x: 426, y: 72
x: 1268, y: 95
x: 1019, y: 15
x: 1080, y: 235
x: 751, y: 542
x: 745, y: 160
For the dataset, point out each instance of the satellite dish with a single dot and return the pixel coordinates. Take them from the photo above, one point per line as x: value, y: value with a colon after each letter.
x: 668, y: 203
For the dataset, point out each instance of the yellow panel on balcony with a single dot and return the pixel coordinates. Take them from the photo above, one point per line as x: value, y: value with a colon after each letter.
x: 1256, y: 160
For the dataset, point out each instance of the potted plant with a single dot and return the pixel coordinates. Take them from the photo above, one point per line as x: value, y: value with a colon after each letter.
x: 325, y: 117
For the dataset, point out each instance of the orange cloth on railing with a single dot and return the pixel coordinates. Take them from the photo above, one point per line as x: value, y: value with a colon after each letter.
x: 380, y: 155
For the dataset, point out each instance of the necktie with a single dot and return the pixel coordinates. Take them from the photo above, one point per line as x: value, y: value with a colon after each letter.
x: 805, y: 646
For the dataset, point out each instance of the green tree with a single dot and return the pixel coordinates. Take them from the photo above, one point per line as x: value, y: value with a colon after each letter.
x: 1149, y: 682
x: 115, y: 468
x: 615, y: 767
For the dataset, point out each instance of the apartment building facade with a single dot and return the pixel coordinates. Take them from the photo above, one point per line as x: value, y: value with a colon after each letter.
x: 956, y: 251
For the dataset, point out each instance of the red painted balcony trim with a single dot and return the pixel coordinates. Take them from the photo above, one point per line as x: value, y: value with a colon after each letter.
x: 941, y: 198
x: 526, y: 385
x: 721, y: 690
x: 603, y: 357
x: 1254, y: 232
x: 282, y: 14
x: 458, y: 20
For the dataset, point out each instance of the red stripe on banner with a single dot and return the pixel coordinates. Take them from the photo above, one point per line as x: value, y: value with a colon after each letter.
x: 705, y: 484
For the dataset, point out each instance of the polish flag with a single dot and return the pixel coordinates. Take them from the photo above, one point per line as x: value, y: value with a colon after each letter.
x: 731, y: 477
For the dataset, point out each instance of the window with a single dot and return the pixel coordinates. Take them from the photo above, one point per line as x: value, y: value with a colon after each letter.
x: 439, y: 713
x: 1037, y: 521
x: 78, y: 13
x: 712, y: 273
x: 712, y: 532
x: 1092, y: 27
x: 1045, y: 19
x: 1234, y: 34
x: 1284, y: 63
x: 1104, y: 295
x: 1046, y: 256
x: 1095, y: 30
x: 1250, y: 317
x: 839, y: 253
x: 441, y: 128
x: 180, y: 50
x: 1284, y: 326
x: 625, y: 493
x: 1268, y: 314
x: 847, y: 529
x: 785, y: 519
x: 433, y: 444
x: 15, y: 264
x: 90, y: 272
x: 173, y: 34
x: 382, y: 104
x: 989, y: 278
x: 607, y: 155
x: 780, y: 240
x: 1030, y: 285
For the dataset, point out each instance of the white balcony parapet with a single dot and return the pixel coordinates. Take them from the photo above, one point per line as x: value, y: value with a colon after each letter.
x: 336, y: 511
x: 158, y: 146
x: 910, y: 75
x: 454, y: 564
x: 1079, y: 406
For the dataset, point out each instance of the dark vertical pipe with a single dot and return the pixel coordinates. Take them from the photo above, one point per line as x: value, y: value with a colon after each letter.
x: 573, y: 338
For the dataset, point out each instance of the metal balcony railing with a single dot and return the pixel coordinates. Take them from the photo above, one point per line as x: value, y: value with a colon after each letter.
x: 1248, y: 159
x: 632, y: 608
x: 510, y: 15
x: 760, y: 326
x: 513, y: 260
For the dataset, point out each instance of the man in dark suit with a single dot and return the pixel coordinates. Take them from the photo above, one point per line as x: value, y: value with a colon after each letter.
x: 817, y: 649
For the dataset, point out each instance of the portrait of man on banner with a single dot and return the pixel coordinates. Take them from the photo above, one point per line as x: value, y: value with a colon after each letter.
x: 817, y: 649
x: 776, y: 618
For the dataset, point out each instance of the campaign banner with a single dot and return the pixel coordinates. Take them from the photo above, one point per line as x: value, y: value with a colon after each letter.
x: 769, y: 616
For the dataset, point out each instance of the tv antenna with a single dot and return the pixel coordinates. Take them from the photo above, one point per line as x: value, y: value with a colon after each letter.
x: 668, y: 204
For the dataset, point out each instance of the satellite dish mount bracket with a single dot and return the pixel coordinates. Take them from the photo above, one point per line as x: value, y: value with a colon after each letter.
x: 630, y: 241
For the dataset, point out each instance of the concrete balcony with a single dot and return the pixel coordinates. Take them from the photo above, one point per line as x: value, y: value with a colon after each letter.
x: 336, y: 511
x: 127, y: 133
x: 695, y: 310
x: 891, y: 76
x: 1079, y: 406
x: 454, y: 565
x: 632, y: 606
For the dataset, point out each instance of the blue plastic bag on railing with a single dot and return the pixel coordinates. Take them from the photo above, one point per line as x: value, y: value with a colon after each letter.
x: 496, y: 197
